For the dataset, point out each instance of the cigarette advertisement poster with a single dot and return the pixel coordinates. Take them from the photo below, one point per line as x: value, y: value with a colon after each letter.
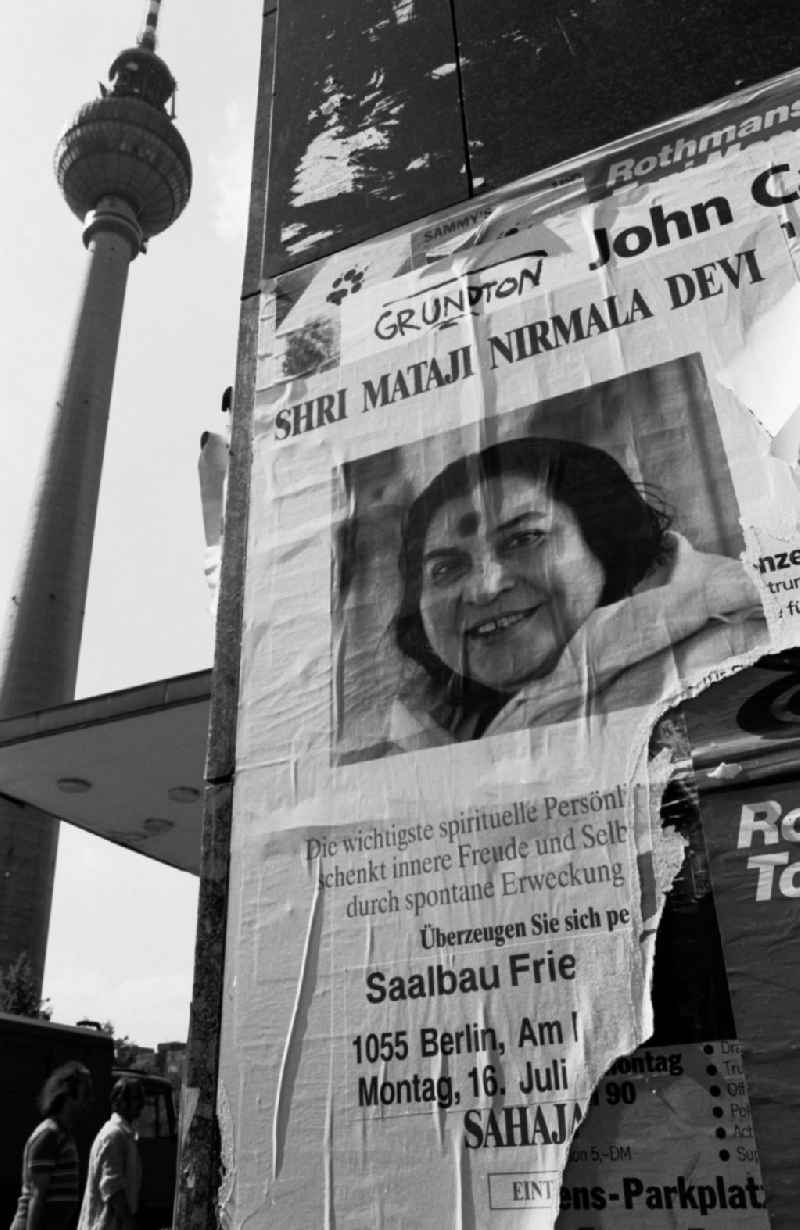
x: 752, y: 835
x: 516, y: 470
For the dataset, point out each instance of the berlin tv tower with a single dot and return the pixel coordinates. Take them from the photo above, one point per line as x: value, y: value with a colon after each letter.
x: 124, y: 169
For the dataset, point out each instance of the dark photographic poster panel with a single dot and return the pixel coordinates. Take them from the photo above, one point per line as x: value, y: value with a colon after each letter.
x: 367, y: 131
x: 545, y: 82
x: 753, y: 839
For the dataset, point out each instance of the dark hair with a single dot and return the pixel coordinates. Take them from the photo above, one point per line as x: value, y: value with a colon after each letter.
x: 65, y: 1082
x: 123, y: 1090
x: 623, y: 527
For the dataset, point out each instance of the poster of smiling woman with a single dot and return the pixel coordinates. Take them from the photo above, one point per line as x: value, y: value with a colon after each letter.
x: 513, y: 495
x: 572, y: 563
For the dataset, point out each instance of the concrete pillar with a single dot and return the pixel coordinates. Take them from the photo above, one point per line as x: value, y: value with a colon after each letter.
x: 42, y: 633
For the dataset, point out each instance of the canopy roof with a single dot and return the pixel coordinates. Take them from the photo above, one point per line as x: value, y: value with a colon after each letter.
x: 127, y: 766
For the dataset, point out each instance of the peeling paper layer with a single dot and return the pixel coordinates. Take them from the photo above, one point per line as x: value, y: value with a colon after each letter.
x: 448, y: 866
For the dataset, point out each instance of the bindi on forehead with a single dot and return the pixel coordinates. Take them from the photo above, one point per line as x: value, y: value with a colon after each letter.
x: 467, y: 525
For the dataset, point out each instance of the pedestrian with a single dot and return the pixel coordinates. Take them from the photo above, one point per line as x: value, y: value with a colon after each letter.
x: 111, y: 1197
x: 50, y: 1185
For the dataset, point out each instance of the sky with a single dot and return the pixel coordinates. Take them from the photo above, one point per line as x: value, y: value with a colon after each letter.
x: 147, y: 614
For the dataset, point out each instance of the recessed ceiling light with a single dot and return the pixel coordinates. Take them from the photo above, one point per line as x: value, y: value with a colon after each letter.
x: 73, y: 785
x: 183, y: 794
x: 157, y: 824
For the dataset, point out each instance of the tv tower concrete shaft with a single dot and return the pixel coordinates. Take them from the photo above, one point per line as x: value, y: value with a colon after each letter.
x: 125, y: 171
x: 43, y: 626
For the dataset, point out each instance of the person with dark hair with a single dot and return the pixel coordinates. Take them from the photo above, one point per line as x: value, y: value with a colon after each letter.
x: 50, y: 1184
x: 540, y: 584
x: 111, y: 1196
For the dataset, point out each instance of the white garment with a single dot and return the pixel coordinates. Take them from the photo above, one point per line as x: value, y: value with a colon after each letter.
x: 114, y: 1166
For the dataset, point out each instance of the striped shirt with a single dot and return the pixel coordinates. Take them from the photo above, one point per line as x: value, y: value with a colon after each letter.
x: 50, y: 1151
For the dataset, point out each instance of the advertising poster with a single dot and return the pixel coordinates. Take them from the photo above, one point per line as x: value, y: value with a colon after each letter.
x: 752, y: 834
x: 515, y: 493
x: 668, y: 1142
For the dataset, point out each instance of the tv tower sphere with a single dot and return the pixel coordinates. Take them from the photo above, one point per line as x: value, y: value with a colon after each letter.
x: 125, y: 171
x: 125, y: 145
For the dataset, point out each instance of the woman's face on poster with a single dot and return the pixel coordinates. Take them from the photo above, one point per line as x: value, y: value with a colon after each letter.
x: 507, y: 580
